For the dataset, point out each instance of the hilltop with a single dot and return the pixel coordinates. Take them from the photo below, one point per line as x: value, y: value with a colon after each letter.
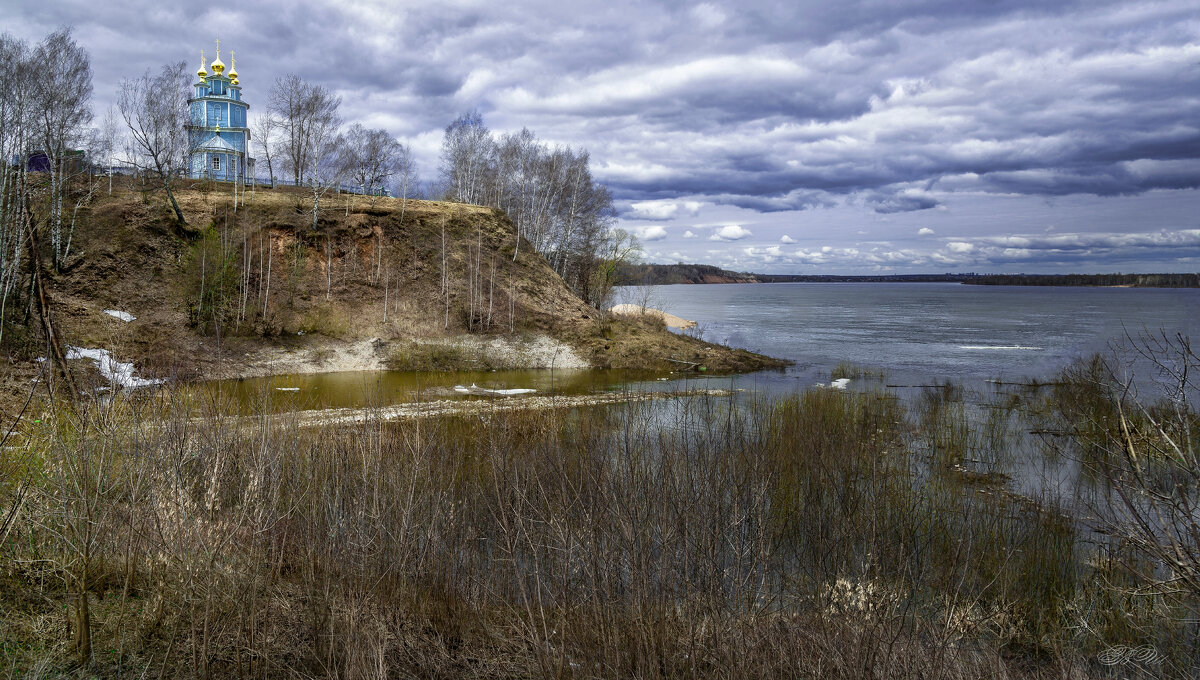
x: 255, y: 290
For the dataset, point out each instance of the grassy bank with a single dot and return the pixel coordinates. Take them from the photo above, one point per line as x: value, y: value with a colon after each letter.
x: 830, y: 534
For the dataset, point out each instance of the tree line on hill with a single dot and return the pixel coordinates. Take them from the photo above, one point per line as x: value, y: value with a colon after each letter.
x: 641, y: 274
x: 637, y: 274
x: 548, y: 192
x: 45, y: 120
x: 1130, y: 280
x: 558, y: 208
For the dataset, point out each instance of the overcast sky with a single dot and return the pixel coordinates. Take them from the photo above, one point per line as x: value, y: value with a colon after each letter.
x: 795, y: 136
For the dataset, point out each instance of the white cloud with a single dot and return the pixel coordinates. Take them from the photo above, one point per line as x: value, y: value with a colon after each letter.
x: 787, y: 239
x: 925, y: 231
x: 689, y: 234
x: 653, y: 233
x: 664, y: 210
x: 732, y: 232
x: 998, y: 252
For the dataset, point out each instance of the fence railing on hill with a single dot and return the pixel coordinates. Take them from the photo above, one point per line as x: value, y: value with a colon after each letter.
x: 128, y: 170
x: 344, y: 188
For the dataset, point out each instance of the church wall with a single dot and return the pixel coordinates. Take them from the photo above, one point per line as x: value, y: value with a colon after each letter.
x: 215, y: 114
x: 202, y: 167
x: 212, y: 114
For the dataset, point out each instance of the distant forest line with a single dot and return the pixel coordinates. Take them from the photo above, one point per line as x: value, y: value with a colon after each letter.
x: 664, y: 274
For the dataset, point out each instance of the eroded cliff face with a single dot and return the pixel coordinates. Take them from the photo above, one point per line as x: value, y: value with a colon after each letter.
x: 375, y: 285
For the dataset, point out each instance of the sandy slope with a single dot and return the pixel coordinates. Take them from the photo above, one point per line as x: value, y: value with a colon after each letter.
x: 671, y: 320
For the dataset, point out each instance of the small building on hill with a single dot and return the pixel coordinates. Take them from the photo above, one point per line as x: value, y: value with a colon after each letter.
x: 74, y: 161
x: 218, y: 135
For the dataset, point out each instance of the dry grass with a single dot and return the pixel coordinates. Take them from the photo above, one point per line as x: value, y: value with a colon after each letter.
x: 805, y: 537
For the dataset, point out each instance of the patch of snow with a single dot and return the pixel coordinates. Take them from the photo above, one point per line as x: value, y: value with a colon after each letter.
x: 123, y: 316
x: 117, y: 372
x: 475, y: 389
x: 288, y: 389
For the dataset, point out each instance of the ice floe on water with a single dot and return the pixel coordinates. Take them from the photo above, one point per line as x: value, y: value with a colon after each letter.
x: 118, y: 373
x: 475, y: 389
x: 1001, y: 347
x: 839, y: 384
x: 123, y: 316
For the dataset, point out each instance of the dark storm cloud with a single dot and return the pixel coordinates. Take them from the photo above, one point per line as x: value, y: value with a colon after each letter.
x: 894, y: 203
x: 793, y: 200
x: 886, y: 107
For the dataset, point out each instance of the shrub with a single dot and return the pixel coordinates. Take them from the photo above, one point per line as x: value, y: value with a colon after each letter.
x: 432, y: 356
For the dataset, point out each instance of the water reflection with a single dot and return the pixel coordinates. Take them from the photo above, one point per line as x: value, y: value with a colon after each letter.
x: 353, y: 389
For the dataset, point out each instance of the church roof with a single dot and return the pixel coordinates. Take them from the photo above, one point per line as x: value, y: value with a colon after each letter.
x: 216, y: 143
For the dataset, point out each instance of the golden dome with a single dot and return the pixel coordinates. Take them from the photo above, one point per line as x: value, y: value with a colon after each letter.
x: 233, y: 67
x: 218, y: 66
x: 202, y: 73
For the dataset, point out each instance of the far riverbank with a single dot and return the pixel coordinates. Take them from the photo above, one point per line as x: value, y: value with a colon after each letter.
x: 669, y: 274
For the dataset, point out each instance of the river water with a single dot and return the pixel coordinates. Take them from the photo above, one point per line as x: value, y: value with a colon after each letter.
x: 910, y: 333
x: 919, y: 333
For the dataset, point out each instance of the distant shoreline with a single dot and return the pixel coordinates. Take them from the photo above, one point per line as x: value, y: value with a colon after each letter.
x: 667, y: 274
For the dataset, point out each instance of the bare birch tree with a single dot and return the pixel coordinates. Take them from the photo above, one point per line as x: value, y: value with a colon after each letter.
x: 549, y: 193
x: 62, y: 91
x: 110, y: 142
x: 266, y: 127
x: 321, y: 157
x: 309, y: 122
x: 370, y: 158
x: 466, y: 152
x: 306, y: 114
x: 15, y: 123
x: 156, y: 113
x: 407, y: 179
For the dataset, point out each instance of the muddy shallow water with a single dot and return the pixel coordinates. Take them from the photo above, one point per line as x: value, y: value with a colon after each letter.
x: 381, y: 388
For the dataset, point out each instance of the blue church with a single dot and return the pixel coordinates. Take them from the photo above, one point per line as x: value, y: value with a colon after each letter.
x: 218, y: 137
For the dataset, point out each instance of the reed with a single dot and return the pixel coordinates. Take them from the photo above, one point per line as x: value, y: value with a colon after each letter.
x: 811, y: 536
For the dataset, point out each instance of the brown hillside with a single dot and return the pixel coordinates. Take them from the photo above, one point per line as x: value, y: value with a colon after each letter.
x: 261, y: 291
